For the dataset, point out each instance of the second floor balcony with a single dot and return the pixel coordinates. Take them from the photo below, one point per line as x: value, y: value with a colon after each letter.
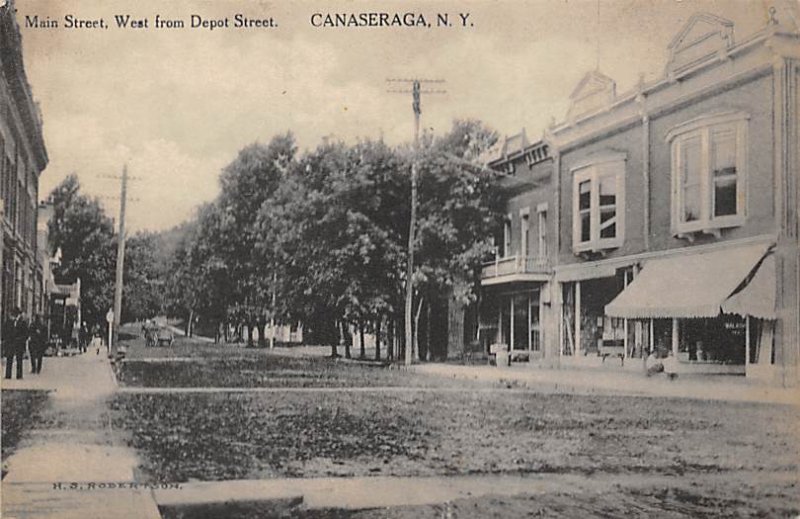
x: 515, y: 268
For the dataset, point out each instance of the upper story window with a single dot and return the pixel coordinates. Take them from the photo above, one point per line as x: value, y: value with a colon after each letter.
x: 598, y: 204
x: 525, y: 231
x: 708, y: 173
x: 541, y: 214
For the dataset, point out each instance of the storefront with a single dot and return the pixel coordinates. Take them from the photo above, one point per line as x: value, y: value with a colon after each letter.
x: 714, y: 311
x: 512, y: 317
x: 586, y: 328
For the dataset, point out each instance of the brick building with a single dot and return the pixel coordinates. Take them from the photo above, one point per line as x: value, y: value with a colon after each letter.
x: 673, y: 210
x: 516, y: 285
x: 22, y: 159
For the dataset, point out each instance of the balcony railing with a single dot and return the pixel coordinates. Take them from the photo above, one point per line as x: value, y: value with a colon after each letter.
x: 515, y: 265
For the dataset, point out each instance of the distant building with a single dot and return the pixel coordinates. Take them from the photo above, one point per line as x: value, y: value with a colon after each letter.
x: 670, y: 216
x: 22, y: 159
x: 59, y: 305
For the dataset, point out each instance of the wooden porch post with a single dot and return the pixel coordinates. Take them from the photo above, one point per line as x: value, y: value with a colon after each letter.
x: 577, y: 317
x: 650, y: 338
x: 499, y: 337
x: 511, y: 320
x: 530, y: 319
x: 625, y: 338
x: 560, y: 309
x: 746, y: 343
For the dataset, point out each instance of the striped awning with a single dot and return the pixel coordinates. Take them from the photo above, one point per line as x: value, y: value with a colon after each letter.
x: 699, y: 285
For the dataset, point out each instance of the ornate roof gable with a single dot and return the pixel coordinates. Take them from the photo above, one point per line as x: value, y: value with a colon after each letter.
x: 505, y: 147
x: 704, y: 36
x: 595, y: 91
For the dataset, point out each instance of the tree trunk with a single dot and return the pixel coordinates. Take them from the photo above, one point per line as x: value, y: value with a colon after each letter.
x: 363, y: 352
x: 188, y: 328
x: 428, y: 333
x: 390, y: 339
x: 401, y: 345
x: 378, y: 338
x: 346, y: 341
x: 415, y: 350
x: 455, y: 328
x: 334, y: 350
x: 262, y: 331
x: 250, y: 327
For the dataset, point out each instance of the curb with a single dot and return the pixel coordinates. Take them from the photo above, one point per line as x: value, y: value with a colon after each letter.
x: 264, y: 508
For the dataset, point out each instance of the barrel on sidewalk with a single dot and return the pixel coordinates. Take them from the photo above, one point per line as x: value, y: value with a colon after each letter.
x: 499, y: 352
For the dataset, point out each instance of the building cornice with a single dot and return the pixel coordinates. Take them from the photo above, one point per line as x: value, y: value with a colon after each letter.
x: 14, y: 71
x: 650, y: 100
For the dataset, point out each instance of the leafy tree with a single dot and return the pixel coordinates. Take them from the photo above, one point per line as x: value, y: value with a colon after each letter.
x: 300, y: 233
x: 206, y: 278
x: 458, y: 213
x: 85, y: 235
x: 144, y: 281
x: 247, y: 183
x: 327, y: 233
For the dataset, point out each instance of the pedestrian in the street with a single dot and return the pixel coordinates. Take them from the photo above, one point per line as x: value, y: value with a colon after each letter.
x: 15, y: 337
x: 83, y: 337
x: 37, y: 344
x: 97, y: 342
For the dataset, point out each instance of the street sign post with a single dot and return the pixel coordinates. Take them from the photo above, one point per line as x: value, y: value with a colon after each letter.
x: 110, y: 321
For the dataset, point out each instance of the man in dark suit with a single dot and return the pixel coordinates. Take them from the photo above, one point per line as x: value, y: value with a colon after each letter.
x: 37, y: 344
x: 83, y: 338
x: 8, y: 340
x: 15, y: 337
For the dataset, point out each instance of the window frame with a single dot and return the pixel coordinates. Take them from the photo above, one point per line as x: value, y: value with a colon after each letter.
x: 508, y: 231
x: 524, y: 231
x: 541, y: 224
x: 598, y: 167
x: 704, y: 128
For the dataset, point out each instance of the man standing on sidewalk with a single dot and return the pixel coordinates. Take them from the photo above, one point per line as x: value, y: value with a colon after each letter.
x: 15, y: 335
x: 37, y: 345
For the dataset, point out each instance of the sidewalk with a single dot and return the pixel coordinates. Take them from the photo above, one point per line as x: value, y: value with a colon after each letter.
x: 69, y: 377
x: 613, y: 381
x: 77, y: 444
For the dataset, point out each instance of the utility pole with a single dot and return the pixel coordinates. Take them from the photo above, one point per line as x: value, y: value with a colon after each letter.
x: 416, y: 105
x: 120, y: 262
x: 123, y: 201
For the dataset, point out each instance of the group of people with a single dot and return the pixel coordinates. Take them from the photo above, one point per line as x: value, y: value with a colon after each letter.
x: 19, y: 336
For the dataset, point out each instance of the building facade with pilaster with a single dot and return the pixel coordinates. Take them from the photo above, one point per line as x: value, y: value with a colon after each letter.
x: 675, y: 212
x: 22, y: 158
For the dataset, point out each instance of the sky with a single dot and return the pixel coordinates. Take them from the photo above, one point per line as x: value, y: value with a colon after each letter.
x: 177, y: 105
